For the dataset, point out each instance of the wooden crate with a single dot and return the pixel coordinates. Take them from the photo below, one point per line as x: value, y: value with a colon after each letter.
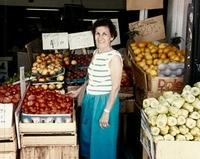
x: 8, y: 143
x: 50, y: 152
x: 45, y: 134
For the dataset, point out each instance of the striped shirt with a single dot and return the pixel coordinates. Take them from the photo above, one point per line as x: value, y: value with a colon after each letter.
x: 99, y: 73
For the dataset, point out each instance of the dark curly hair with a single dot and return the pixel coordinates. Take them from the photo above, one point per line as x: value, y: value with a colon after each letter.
x: 107, y: 23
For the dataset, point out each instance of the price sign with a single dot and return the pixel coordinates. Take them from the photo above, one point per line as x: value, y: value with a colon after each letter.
x: 150, y: 29
x: 6, y: 115
x: 53, y: 41
x: 81, y: 40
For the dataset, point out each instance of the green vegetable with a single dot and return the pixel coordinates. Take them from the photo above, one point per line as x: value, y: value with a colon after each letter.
x: 181, y: 120
x: 155, y: 131
x: 171, y: 121
x: 161, y: 120
x: 190, y: 123
x: 180, y: 137
x: 195, y: 91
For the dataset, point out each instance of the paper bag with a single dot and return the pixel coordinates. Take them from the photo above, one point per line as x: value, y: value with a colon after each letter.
x: 143, y: 4
x: 150, y: 29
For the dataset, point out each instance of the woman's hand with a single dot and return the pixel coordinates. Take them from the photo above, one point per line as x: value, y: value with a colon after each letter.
x: 73, y: 94
x: 104, y: 120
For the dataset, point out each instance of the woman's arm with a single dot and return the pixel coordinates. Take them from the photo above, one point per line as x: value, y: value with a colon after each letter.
x: 75, y: 93
x: 116, y: 75
x: 116, y: 66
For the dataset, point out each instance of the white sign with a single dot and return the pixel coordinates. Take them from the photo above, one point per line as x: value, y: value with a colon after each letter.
x: 53, y: 41
x: 81, y: 40
x: 6, y: 115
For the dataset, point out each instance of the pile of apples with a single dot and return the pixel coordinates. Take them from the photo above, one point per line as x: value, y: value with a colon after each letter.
x: 41, y: 101
x: 10, y: 94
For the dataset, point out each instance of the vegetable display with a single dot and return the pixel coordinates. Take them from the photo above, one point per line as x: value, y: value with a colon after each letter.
x: 173, y: 116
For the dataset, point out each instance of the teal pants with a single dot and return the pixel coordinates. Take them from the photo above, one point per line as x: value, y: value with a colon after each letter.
x: 97, y: 142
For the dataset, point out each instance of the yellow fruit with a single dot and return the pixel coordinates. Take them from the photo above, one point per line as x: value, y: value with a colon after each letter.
x: 141, y: 44
x: 149, y: 62
x: 137, y: 51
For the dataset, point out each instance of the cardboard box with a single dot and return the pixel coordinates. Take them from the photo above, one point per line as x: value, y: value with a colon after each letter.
x: 154, y: 84
x: 167, y: 149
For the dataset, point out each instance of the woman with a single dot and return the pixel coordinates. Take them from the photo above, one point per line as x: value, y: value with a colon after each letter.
x: 100, y: 107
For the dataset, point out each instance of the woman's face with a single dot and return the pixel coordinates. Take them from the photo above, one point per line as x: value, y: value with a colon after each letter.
x: 103, y: 38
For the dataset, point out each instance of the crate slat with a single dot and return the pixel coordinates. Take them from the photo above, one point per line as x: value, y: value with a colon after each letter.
x: 26, y: 128
x: 8, y: 155
x: 8, y: 146
x: 7, y: 133
x: 48, y: 140
x: 50, y: 152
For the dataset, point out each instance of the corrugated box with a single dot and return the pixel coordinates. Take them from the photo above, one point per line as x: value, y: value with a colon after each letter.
x: 167, y: 149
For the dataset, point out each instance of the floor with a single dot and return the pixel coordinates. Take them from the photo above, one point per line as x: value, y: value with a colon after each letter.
x: 129, y: 138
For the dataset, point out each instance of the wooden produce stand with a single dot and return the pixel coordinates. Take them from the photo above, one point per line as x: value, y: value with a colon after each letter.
x: 8, y: 143
x: 47, y: 140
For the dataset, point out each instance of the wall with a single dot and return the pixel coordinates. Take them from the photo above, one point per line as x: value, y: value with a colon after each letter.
x: 177, y: 19
x: 96, y: 4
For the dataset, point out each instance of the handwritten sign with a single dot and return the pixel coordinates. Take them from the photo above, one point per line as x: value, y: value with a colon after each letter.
x: 150, y: 29
x: 6, y: 115
x: 143, y: 4
x: 53, y: 41
x: 81, y: 40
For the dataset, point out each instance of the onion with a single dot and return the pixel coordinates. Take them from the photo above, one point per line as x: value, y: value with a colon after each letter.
x: 167, y: 72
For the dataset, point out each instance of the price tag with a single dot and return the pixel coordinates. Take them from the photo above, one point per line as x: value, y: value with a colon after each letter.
x: 22, y: 81
x: 81, y: 40
x: 6, y: 115
x: 53, y: 41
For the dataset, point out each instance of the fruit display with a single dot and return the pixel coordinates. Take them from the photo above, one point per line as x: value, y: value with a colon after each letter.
x: 41, y: 101
x: 48, y: 64
x: 50, y: 85
x: 46, y: 79
x: 75, y: 76
x: 149, y: 56
x: 10, y: 94
x: 78, y: 60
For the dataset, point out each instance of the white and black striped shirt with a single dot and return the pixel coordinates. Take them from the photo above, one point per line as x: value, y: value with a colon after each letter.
x: 99, y: 73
